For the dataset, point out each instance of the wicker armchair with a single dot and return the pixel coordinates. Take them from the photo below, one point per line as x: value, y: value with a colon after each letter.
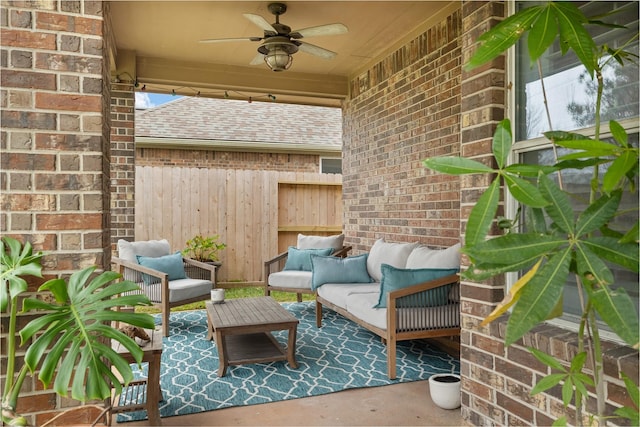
x: 194, y: 283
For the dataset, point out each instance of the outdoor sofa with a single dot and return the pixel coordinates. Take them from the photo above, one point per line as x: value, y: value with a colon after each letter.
x: 398, y: 291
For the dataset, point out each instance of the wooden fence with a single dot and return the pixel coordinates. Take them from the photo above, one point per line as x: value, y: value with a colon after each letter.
x: 258, y: 214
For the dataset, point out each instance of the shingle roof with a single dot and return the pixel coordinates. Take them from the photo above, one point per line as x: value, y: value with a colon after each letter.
x: 233, y: 120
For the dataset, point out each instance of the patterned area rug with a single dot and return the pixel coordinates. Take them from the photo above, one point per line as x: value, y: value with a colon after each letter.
x: 340, y: 355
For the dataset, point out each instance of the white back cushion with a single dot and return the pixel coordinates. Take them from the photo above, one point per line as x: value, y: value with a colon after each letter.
x: 424, y: 257
x: 320, y: 242
x: 149, y: 248
x: 394, y: 254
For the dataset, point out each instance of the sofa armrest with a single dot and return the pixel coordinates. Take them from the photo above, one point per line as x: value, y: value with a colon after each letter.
x: 415, y: 302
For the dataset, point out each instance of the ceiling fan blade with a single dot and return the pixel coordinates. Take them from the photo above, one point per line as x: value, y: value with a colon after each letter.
x: 257, y: 60
x: 320, y: 30
x: 260, y: 22
x: 235, y: 39
x: 316, y: 50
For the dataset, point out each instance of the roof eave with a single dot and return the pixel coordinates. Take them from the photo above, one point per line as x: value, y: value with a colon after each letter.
x: 242, y: 146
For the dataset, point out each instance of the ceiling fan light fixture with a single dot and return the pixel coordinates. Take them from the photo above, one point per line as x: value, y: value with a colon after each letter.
x: 278, y: 59
x: 277, y: 52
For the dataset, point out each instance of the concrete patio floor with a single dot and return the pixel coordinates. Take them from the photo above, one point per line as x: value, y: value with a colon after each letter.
x: 407, y: 404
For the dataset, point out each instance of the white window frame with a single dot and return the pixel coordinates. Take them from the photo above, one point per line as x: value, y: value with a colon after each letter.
x: 322, y: 159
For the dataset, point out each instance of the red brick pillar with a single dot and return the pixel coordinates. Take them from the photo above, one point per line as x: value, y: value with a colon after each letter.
x: 55, y: 145
x: 122, y: 163
x: 483, y: 106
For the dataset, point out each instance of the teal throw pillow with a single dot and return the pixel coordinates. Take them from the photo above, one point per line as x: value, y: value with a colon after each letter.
x: 397, y: 278
x: 300, y: 259
x: 331, y: 269
x: 170, y: 264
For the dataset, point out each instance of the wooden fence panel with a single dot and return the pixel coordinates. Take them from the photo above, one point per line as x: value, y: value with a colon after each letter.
x: 245, y: 207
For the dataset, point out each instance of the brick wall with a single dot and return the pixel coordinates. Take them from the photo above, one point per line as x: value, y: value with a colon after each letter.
x: 227, y: 160
x: 122, y: 163
x: 54, y: 151
x: 402, y: 110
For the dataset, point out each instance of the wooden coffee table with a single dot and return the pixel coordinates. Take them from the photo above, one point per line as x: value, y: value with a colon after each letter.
x: 242, y: 330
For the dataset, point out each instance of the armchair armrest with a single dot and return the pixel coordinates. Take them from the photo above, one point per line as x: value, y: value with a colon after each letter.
x: 274, y: 265
x: 202, y: 270
x: 342, y: 252
x: 131, y: 270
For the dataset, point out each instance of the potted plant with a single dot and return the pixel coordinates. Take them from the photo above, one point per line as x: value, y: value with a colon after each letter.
x: 204, y: 249
x: 67, y: 342
x: 555, y: 241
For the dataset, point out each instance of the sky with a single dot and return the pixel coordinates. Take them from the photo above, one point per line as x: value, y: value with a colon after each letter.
x: 148, y: 100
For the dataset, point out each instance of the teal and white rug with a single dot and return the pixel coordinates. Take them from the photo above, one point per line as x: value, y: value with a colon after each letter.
x: 339, y: 356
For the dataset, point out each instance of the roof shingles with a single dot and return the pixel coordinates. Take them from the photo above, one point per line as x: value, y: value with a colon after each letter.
x: 242, y: 121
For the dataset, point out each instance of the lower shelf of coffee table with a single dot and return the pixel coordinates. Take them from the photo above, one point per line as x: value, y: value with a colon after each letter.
x: 253, y: 348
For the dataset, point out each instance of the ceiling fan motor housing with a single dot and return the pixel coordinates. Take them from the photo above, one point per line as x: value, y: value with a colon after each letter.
x: 278, y: 42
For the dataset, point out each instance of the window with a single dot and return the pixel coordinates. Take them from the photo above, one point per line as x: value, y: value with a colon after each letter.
x: 330, y: 165
x: 571, y: 95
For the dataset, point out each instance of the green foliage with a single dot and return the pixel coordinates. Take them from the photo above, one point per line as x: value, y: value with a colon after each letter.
x: 67, y: 342
x: 203, y: 248
x: 557, y: 242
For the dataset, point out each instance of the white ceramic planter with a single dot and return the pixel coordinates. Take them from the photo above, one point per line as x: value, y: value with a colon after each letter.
x: 445, y: 390
x: 217, y: 295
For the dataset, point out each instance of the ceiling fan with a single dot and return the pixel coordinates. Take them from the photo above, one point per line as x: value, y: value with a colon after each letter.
x: 279, y: 42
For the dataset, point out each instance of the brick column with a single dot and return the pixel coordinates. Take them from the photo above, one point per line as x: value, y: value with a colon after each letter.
x: 483, y: 106
x: 55, y: 152
x: 122, y: 163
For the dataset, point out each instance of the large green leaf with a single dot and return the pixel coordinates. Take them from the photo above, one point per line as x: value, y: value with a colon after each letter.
x: 535, y: 221
x: 618, y: 170
x: 613, y: 250
x: 513, y: 248
x: 617, y: 309
x: 482, y: 214
x: 504, y: 35
x: 559, y: 209
x: 502, y: 141
x: 590, y: 145
x: 529, y: 170
x: 524, y: 192
x: 539, y: 297
x: 16, y: 261
x: 598, y: 213
x: 456, y: 165
x: 591, y: 267
x: 543, y: 33
x: 575, y: 35
x: 484, y: 270
x: 70, y: 348
x: 619, y: 134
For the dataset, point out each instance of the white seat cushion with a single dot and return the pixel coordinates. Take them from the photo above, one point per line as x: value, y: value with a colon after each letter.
x: 291, y: 279
x: 337, y: 293
x: 180, y: 290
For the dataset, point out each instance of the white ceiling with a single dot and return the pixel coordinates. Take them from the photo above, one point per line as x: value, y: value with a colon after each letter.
x: 158, y: 41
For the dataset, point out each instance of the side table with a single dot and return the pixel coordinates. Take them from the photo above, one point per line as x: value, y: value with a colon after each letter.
x: 152, y: 354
